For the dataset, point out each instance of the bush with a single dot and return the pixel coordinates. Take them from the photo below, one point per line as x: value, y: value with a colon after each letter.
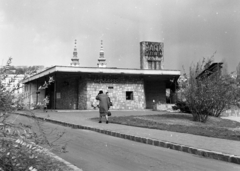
x: 182, y: 106
x: 211, y: 94
x: 21, y: 156
x: 17, y: 153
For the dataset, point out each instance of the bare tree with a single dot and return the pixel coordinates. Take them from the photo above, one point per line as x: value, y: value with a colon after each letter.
x: 238, y: 71
x: 19, y: 142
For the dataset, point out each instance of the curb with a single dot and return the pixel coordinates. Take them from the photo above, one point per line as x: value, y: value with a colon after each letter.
x: 174, y: 146
x: 71, y: 166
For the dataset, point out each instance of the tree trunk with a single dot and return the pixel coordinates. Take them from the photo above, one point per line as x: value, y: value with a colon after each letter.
x: 195, y: 117
x: 203, y: 118
x: 200, y: 117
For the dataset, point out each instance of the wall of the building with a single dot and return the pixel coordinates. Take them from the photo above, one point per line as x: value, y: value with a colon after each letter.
x: 82, y: 94
x: 66, y: 96
x: 80, y: 91
x: 117, y: 89
x: 30, y: 95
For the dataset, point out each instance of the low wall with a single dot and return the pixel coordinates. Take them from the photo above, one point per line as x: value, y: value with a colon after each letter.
x: 234, y: 111
x: 166, y: 107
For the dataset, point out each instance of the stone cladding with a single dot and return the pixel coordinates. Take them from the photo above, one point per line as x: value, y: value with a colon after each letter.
x: 82, y: 97
x: 117, y: 89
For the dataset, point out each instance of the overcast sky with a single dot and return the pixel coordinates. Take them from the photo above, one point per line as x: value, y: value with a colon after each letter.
x: 42, y: 32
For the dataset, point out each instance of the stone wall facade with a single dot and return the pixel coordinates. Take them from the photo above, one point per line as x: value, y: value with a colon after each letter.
x: 82, y: 94
x: 117, y: 90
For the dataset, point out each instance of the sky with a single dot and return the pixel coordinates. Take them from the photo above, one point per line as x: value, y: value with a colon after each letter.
x: 42, y: 32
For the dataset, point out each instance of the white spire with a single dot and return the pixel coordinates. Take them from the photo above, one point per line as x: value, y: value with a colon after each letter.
x: 101, y: 59
x: 75, y: 59
x: 101, y: 48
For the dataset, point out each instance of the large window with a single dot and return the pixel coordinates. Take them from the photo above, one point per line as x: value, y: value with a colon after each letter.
x: 152, y: 65
x: 149, y: 64
x: 129, y: 95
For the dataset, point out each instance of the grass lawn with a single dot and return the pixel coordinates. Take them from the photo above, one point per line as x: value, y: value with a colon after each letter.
x: 181, y: 122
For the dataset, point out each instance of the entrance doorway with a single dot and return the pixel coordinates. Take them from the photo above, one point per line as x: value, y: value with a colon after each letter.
x: 50, y: 93
x: 155, y: 92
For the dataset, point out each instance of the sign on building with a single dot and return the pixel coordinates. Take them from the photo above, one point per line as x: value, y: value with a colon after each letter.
x: 151, y: 55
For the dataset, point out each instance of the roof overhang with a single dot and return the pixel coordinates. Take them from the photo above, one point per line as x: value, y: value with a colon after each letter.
x: 214, y: 67
x: 96, y: 70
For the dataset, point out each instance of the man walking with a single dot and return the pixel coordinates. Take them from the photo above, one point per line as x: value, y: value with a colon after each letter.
x: 104, y: 105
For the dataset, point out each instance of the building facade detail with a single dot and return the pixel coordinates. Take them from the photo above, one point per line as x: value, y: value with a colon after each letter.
x: 75, y: 59
x: 101, y: 60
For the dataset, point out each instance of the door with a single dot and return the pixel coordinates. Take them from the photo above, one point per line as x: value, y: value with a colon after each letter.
x: 155, y: 92
x: 50, y: 93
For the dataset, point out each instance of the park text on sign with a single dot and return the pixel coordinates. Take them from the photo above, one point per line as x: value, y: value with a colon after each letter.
x: 153, y: 49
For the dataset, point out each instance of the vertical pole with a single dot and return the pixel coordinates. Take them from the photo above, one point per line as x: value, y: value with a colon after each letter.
x: 55, y: 90
x: 175, y: 92
x: 30, y: 95
x: 77, y: 93
x: 37, y: 94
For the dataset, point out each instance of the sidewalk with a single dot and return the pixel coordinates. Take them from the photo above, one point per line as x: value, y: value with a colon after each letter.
x: 234, y: 118
x: 220, y: 149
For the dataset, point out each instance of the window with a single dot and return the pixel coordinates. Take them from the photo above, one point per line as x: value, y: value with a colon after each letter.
x: 110, y: 89
x: 149, y: 64
x: 155, y: 65
x: 129, y: 95
x: 26, y: 87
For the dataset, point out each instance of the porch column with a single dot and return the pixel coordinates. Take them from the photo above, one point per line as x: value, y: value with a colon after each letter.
x: 55, y: 90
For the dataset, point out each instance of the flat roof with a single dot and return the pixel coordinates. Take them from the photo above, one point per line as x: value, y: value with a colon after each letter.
x: 97, y: 70
x: 211, y: 69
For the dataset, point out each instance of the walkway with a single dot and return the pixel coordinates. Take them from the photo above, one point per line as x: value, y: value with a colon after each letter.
x: 221, y: 149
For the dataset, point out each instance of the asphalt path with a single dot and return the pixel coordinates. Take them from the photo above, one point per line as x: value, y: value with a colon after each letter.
x: 93, y: 151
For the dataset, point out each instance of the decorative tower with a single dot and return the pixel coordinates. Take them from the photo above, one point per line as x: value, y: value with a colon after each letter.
x: 75, y: 59
x: 101, y: 59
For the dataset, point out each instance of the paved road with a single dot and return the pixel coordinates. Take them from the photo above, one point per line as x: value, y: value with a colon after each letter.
x: 93, y: 151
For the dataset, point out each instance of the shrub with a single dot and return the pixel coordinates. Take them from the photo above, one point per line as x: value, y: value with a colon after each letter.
x: 20, y: 155
x: 15, y: 139
x: 212, y: 93
x: 182, y: 106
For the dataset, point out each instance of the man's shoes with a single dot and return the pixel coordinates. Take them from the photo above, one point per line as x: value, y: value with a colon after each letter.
x: 100, y: 122
x: 106, y: 122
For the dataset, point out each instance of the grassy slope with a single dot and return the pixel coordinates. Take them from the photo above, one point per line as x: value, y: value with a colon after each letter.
x: 179, y: 122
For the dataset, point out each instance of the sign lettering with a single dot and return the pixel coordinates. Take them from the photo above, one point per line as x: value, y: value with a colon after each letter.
x: 153, y: 49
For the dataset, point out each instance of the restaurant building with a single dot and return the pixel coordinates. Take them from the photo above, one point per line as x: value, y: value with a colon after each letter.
x: 75, y: 87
